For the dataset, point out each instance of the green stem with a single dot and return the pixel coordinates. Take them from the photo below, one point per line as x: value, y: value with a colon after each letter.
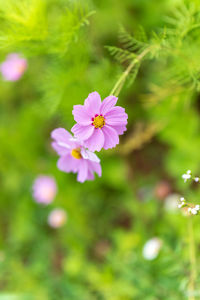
x: 192, y: 256
x: 119, y: 84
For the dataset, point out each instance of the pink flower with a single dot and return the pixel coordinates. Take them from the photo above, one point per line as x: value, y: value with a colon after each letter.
x: 99, y: 124
x: 44, y: 189
x: 74, y: 157
x: 57, y: 218
x: 13, y: 67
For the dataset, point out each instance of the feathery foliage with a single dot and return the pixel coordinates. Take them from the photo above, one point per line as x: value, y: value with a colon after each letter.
x: 98, y: 253
x: 175, y: 47
x: 41, y: 26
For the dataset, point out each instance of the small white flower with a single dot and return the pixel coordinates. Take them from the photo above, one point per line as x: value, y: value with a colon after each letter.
x: 182, y: 199
x: 151, y: 248
x: 193, y: 211
x: 186, y: 177
x: 197, y: 207
x: 181, y: 204
x: 189, y: 209
x: 189, y: 171
x: 196, y: 179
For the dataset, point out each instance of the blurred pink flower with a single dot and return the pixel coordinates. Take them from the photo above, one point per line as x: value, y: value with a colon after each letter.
x: 44, y: 189
x: 13, y: 67
x: 99, y: 124
x: 74, y: 157
x: 57, y: 218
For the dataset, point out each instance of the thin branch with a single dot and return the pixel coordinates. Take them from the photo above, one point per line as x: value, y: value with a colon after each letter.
x: 119, y: 84
x: 192, y: 255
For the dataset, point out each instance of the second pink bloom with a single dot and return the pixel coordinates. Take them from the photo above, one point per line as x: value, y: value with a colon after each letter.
x: 74, y: 157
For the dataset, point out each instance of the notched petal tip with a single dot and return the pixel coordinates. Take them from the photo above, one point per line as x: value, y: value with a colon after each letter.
x: 95, y: 93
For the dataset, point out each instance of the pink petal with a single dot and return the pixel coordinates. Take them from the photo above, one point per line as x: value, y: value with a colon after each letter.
x: 93, y: 103
x: 90, y: 175
x: 68, y: 164
x: 82, y: 132
x: 120, y: 129
x: 61, y: 135
x: 107, y: 104
x: 95, y: 167
x: 59, y: 149
x: 80, y: 115
x: 117, y: 110
x: 116, y: 116
x: 83, y: 171
x: 111, y: 137
x: 96, y: 141
x: 116, y: 121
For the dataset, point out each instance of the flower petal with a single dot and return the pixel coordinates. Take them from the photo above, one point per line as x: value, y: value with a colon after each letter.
x: 59, y: 149
x: 86, y: 154
x: 116, y: 111
x: 82, y: 132
x: 120, y: 129
x: 116, y: 121
x: 61, y: 135
x: 93, y: 103
x: 95, y: 167
x: 116, y: 116
x: 96, y: 141
x: 68, y: 164
x: 63, y: 139
x: 107, y: 104
x: 83, y: 171
x: 90, y: 175
x: 80, y: 115
x: 111, y: 137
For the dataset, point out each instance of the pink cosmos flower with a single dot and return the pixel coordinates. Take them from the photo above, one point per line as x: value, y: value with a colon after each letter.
x: 44, y: 189
x: 57, y: 218
x: 13, y: 67
x: 99, y: 124
x: 74, y: 157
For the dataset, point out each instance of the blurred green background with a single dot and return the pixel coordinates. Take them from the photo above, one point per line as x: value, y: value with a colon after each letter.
x: 97, y: 254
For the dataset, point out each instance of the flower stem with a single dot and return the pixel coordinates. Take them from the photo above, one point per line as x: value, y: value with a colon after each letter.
x: 192, y: 256
x: 119, y: 84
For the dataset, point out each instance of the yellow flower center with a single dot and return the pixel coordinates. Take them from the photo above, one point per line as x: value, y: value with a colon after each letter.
x: 76, y: 153
x: 99, y: 122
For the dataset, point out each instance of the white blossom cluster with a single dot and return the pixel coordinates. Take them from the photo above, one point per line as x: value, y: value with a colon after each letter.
x: 188, y: 175
x: 193, y: 210
x: 182, y: 203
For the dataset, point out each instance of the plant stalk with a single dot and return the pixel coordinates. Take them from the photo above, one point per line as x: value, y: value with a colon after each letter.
x: 192, y: 256
x: 119, y: 84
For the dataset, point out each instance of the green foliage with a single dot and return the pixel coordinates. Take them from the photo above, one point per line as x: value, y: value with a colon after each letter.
x: 176, y: 46
x: 42, y: 26
x: 97, y: 255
